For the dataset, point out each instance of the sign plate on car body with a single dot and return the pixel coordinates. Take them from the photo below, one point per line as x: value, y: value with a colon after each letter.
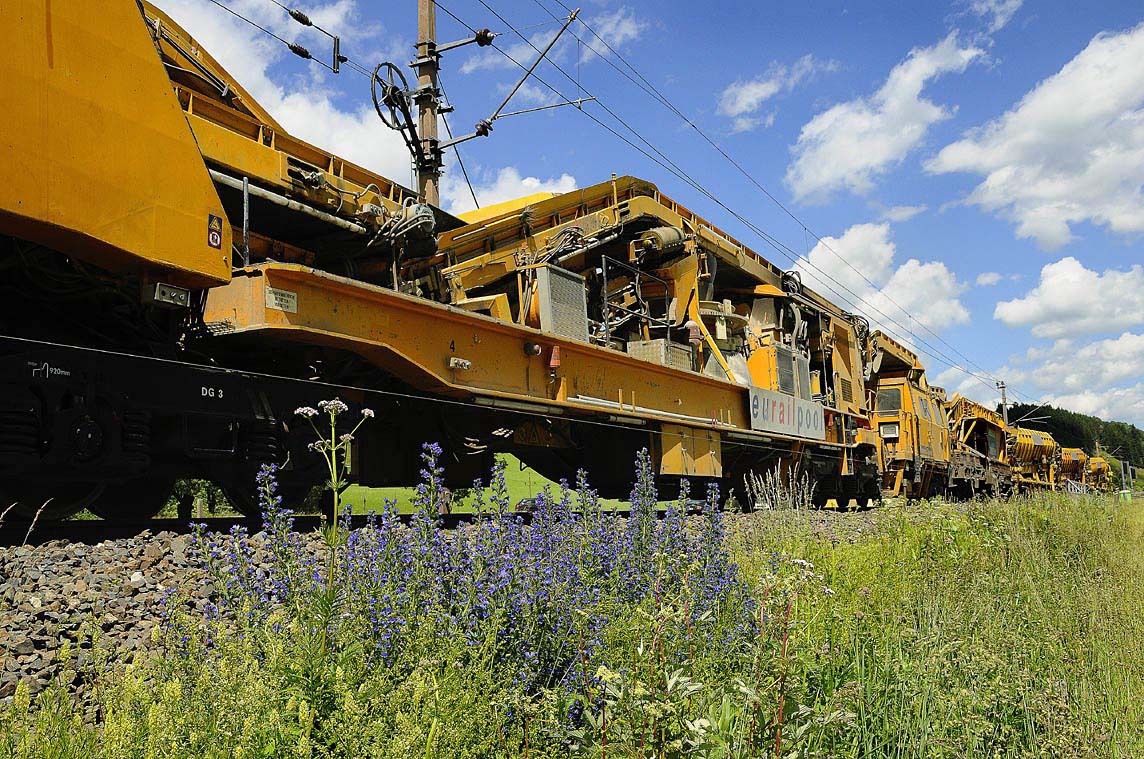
x: 787, y: 415
x: 282, y: 300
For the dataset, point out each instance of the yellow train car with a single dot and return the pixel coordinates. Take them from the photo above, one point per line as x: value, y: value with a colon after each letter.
x: 1074, y: 468
x: 979, y: 459
x: 910, y: 421
x: 1099, y: 475
x: 1035, y: 457
x: 200, y: 273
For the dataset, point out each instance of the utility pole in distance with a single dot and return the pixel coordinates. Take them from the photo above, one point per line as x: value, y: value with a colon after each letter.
x: 426, y: 95
x: 1004, y: 402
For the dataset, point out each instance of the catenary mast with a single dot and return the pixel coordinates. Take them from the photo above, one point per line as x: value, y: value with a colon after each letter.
x: 429, y: 164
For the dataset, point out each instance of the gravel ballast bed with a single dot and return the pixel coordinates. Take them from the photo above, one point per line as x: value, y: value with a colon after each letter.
x: 107, y: 598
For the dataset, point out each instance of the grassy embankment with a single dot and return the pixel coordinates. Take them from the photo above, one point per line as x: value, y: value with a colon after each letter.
x: 989, y: 629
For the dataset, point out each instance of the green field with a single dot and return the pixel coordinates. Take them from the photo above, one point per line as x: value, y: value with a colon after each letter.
x: 523, y: 482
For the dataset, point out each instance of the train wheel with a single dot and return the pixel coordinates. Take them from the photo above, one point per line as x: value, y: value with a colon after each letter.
x: 871, y: 494
x: 35, y: 501
x: 133, y: 500
x: 244, y: 496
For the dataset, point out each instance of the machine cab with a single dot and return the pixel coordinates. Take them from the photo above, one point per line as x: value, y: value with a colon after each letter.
x: 909, y: 419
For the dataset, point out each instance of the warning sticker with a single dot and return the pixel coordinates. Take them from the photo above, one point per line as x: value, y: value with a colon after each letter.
x: 282, y: 300
x: 214, y: 231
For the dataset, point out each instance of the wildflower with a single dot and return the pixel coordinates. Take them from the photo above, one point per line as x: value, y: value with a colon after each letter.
x: 346, y: 438
x: 334, y: 407
x: 367, y: 413
x: 306, y: 411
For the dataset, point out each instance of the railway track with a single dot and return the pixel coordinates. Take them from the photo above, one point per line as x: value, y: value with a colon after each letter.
x: 90, y: 531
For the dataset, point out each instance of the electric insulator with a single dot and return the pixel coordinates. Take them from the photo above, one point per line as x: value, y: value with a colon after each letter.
x: 300, y: 17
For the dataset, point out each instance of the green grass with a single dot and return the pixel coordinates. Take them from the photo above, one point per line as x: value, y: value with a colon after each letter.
x: 990, y: 630
x: 523, y: 483
x: 932, y: 630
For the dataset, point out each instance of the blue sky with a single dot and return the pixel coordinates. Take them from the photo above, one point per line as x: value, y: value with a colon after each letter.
x: 980, y: 162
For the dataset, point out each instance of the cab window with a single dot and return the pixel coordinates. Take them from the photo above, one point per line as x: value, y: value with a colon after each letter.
x: 994, y: 438
x: 889, y: 399
x: 923, y: 406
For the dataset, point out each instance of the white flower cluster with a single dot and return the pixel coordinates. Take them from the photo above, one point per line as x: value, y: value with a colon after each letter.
x: 334, y: 407
x: 306, y: 411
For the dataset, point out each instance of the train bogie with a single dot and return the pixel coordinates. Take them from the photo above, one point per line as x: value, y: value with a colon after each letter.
x: 86, y: 428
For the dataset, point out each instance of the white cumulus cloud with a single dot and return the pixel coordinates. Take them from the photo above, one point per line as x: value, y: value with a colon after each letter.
x: 1118, y: 404
x: 506, y: 184
x: 1098, y: 377
x: 1069, y: 367
x: 486, y: 58
x: 1071, y: 151
x: 613, y: 29
x: 1071, y: 300
x: 894, y: 297
x: 997, y: 13
x: 742, y: 99
x: 1101, y: 377
x: 903, y: 213
x: 850, y: 144
x: 988, y: 278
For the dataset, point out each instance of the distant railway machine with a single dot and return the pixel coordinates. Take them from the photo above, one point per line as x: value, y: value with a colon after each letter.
x: 1100, y: 474
x: 1073, y: 474
x: 979, y: 455
x: 1035, y: 457
x: 913, y: 433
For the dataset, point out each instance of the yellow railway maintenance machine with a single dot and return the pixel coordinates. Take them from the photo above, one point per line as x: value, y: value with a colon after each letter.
x: 1100, y: 474
x: 1036, y: 459
x: 913, y: 435
x: 979, y: 457
x: 194, y: 270
x: 1073, y: 473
